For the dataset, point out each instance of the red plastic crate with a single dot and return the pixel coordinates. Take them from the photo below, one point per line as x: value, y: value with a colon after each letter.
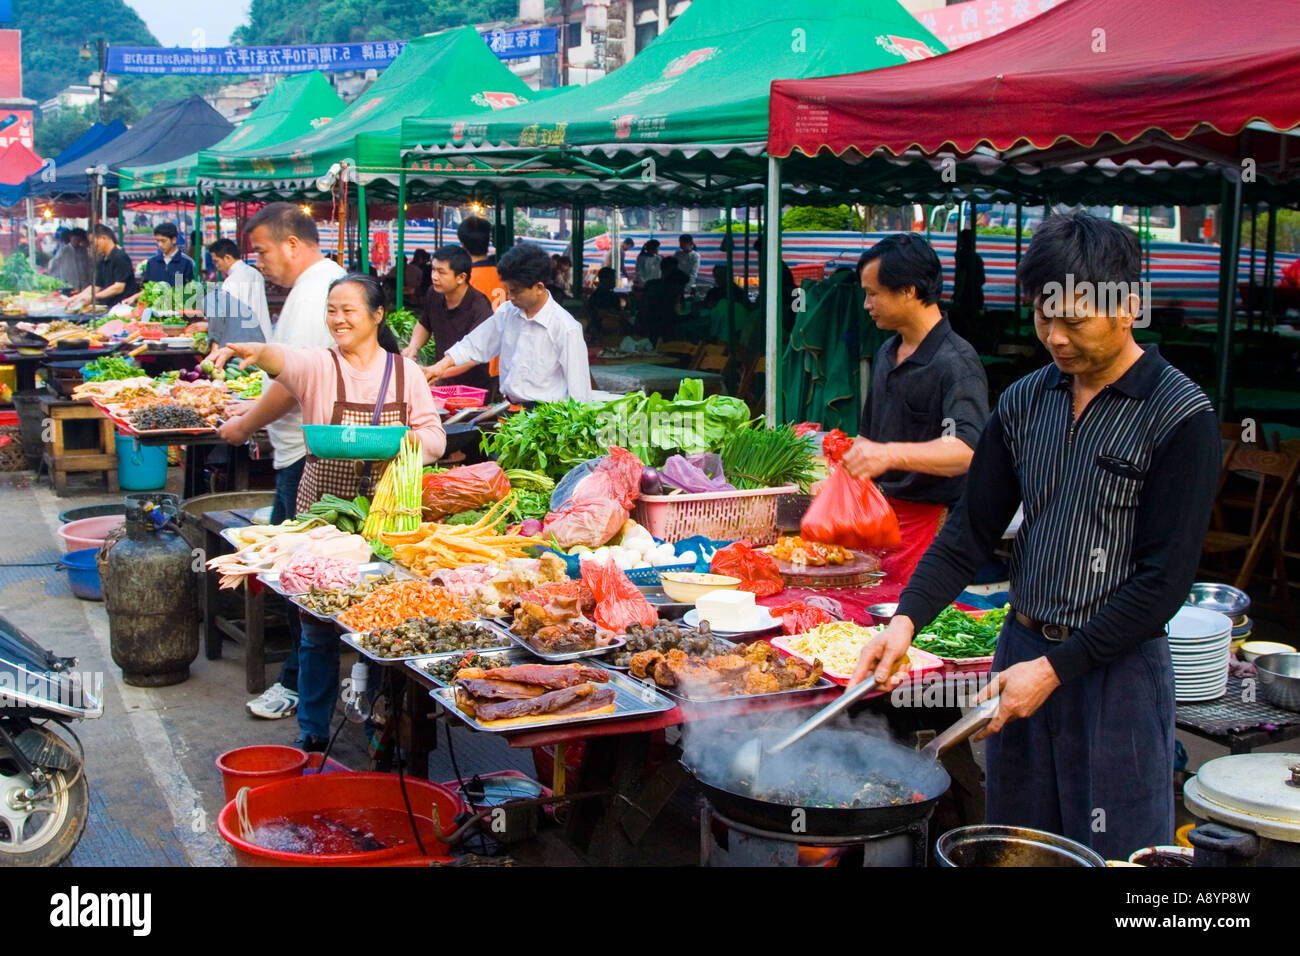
x: 452, y: 397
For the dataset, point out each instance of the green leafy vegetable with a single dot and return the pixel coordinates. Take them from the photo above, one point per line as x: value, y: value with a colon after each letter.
x: 767, y: 458
x: 954, y: 633
x: 110, y: 367
x: 654, y: 428
x: 403, y: 323
x: 550, y: 439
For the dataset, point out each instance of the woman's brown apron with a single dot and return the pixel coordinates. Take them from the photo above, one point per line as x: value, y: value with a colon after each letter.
x: 345, y: 477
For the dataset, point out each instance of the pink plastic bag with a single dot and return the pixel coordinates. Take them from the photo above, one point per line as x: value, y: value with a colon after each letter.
x: 616, y: 478
x: 589, y: 523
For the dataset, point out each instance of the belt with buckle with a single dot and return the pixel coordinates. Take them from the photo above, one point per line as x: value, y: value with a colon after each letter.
x: 1052, y: 632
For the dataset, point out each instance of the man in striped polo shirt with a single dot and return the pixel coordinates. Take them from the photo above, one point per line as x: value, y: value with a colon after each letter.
x: 1114, y: 455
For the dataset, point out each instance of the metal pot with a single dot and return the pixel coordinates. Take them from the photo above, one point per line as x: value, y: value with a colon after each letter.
x: 1279, y: 679
x: 990, y: 845
x: 1252, y: 805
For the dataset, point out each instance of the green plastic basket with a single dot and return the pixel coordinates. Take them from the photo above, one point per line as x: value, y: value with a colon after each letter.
x: 369, y: 442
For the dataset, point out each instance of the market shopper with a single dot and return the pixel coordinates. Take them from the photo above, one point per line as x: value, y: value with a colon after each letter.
x: 359, y: 381
x: 287, y: 246
x: 114, y: 275
x: 541, y: 348
x: 452, y: 309
x: 239, y: 309
x: 688, y: 259
x: 928, y: 398
x: 1114, y: 455
x: 475, y: 235
x: 168, y: 264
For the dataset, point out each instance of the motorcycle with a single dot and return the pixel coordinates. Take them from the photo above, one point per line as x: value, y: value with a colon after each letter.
x: 44, y: 793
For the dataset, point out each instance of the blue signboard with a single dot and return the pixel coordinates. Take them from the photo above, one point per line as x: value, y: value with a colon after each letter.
x: 252, y: 59
x: 513, y: 44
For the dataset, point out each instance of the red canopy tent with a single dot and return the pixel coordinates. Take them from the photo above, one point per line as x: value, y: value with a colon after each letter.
x: 1184, y: 91
x: 17, y: 162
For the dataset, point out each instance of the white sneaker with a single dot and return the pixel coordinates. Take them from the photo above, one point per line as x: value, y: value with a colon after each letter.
x: 275, y: 702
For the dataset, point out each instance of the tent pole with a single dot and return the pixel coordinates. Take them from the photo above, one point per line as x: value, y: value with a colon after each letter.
x: 746, y: 249
x: 1270, y: 248
x: 508, y: 214
x: 121, y: 221
x: 1254, y: 304
x: 216, y: 212
x: 198, y: 228
x: 401, y: 235
x: 363, y: 226
x: 1229, y: 243
x: 31, y: 233
x: 578, y: 229
x: 498, y: 236
x: 731, y: 265
x: 772, y: 266
x: 1020, y: 232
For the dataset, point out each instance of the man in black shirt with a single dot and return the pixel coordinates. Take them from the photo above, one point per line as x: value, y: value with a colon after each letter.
x: 452, y: 309
x: 114, y: 275
x: 928, y: 399
x: 1114, y: 455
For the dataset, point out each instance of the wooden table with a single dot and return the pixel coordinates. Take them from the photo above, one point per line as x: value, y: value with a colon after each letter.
x: 251, y: 629
x: 60, y: 459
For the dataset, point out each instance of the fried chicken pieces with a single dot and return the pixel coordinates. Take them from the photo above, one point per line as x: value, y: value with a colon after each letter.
x: 757, y: 668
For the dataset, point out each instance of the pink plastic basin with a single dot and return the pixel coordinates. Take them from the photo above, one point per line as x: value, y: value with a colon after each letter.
x: 89, y: 532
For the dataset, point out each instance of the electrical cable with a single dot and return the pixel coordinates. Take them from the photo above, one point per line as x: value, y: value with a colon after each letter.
x: 401, y: 762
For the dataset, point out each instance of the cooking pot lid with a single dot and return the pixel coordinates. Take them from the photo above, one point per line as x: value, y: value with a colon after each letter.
x: 1255, y: 791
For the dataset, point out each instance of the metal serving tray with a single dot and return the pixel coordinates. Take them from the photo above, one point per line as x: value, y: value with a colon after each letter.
x: 627, y: 670
x: 370, y: 569
x: 821, y: 685
x: 567, y: 655
x: 514, y: 654
x: 631, y: 699
x: 353, y: 640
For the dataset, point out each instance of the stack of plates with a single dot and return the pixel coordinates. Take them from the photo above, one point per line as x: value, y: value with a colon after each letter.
x: 1199, y: 643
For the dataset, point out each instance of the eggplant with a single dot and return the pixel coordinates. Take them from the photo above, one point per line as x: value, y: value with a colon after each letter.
x: 652, y: 483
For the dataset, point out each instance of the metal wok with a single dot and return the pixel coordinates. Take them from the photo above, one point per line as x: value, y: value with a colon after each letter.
x: 859, y: 754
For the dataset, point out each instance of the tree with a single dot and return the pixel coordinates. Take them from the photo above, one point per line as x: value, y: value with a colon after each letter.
x: 342, y: 21
x: 817, y: 219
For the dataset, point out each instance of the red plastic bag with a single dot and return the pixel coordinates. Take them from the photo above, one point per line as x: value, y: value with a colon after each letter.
x: 799, y: 618
x: 852, y: 513
x: 757, y: 571
x: 589, y: 523
x: 618, y: 602
x: 466, y: 488
x: 807, y: 428
x: 835, y: 444
x: 616, y: 478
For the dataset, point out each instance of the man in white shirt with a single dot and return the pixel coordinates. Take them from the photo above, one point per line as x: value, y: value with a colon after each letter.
x: 688, y: 259
x: 543, y: 353
x: 287, y: 246
x: 243, y: 283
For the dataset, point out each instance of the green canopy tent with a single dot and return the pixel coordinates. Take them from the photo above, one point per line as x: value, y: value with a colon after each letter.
x: 295, y: 106
x: 443, y: 73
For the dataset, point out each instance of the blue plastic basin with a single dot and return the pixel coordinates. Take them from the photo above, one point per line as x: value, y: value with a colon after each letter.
x: 83, y: 574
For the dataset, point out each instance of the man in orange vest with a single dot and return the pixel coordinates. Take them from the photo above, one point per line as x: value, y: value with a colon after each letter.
x: 475, y: 233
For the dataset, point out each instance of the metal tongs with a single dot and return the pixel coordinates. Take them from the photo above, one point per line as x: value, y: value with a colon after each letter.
x: 745, y: 764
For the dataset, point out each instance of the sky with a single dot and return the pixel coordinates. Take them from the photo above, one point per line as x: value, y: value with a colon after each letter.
x: 174, y: 23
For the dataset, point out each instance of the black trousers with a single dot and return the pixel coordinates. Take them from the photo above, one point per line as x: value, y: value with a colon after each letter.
x: 1095, y: 763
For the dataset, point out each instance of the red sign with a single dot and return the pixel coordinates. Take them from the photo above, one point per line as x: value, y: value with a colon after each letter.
x: 11, y: 64
x: 964, y: 23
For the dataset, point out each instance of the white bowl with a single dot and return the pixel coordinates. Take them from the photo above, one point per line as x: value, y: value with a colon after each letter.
x: 1253, y: 649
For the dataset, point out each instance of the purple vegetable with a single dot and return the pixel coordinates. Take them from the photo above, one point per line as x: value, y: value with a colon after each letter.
x: 530, y: 527
x: 651, y: 482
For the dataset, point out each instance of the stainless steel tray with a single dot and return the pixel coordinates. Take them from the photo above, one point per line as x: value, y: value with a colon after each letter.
x: 668, y: 608
x: 631, y: 699
x: 370, y: 569
x: 626, y: 669
x: 352, y: 639
x: 567, y: 655
x: 821, y: 685
x: 513, y: 654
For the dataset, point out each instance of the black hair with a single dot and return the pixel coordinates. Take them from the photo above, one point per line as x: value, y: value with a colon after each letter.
x: 374, y: 296
x: 474, y: 233
x: 456, y: 257
x: 284, y: 219
x: 564, y: 261
x: 687, y: 236
x: 223, y: 247
x: 606, y: 274
x: 628, y: 242
x: 648, y: 243
x: 526, y: 264
x: 907, y: 261
x: 103, y: 230
x: 1075, y: 244
x: 167, y: 229
x: 420, y: 256
x: 79, y: 233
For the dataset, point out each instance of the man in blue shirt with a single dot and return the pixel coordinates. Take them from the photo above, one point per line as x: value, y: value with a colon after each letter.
x: 168, y: 262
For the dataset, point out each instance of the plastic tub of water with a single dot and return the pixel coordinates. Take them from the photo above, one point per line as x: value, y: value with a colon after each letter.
x: 258, y: 766
x: 140, y: 467
x: 83, y: 574
x: 339, y: 819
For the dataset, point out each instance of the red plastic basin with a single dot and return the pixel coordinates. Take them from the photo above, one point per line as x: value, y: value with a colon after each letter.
x: 336, y: 794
